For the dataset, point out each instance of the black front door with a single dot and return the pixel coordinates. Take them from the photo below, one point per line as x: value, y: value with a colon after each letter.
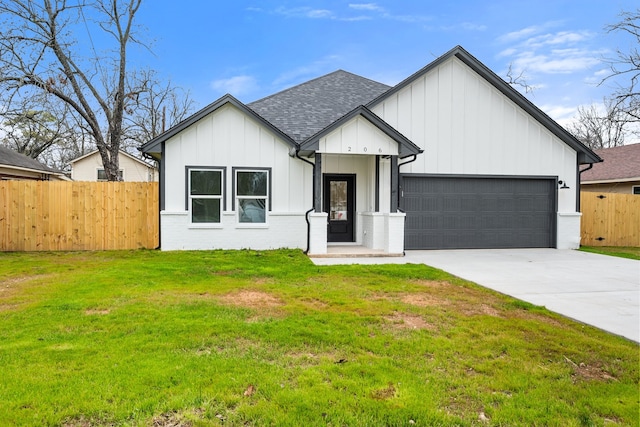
x: 339, y: 203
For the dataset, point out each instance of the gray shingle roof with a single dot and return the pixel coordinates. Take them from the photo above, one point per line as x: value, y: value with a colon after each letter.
x: 305, y: 109
x: 619, y: 163
x: 10, y: 157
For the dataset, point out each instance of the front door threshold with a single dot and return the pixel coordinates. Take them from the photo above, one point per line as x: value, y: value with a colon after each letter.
x: 353, y: 251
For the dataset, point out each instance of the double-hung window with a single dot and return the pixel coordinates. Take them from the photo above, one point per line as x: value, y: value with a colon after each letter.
x: 205, y: 194
x: 252, y: 188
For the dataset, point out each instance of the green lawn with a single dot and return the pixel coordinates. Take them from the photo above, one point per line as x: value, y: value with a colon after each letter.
x: 146, y: 338
x: 630, y: 252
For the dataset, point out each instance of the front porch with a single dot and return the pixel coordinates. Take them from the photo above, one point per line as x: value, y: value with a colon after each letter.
x: 352, y: 250
x: 377, y: 234
x: 356, y: 188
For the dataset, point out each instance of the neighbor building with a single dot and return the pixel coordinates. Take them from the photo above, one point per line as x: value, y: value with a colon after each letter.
x: 89, y: 168
x: 618, y: 173
x: 17, y: 166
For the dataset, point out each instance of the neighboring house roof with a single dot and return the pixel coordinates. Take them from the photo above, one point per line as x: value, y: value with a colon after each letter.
x: 153, y: 147
x: 13, y: 160
x: 306, y: 109
x: 122, y: 153
x: 585, y: 154
x: 620, y: 164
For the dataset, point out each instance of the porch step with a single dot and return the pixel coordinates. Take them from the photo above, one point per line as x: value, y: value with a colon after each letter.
x: 353, y: 251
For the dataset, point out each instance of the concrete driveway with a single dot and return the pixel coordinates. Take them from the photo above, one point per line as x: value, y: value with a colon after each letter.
x: 598, y: 290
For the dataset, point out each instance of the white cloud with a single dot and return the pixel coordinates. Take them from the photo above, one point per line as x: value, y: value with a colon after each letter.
x: 523, y: 33
x: 236, y: 86
x: 304, y: 12
x: 366, y: 6
x: 304, y: 72
x: 560, y: 113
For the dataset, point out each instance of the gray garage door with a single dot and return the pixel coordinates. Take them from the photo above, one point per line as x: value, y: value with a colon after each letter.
x: 478, y: 212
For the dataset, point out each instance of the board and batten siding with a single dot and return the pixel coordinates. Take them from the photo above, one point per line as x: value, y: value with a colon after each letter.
x: 358, y: 136
x: 229, y: 138
x: 468, y: 127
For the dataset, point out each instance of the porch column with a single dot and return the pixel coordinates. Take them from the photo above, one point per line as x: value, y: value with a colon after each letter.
x: 394, y: 184
x: 317, y: 184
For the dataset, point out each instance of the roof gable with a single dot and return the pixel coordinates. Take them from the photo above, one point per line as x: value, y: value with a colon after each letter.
x: 620, y: 163
x: 306, y: 109
x: 585, y: 155
x: 154, y: 147
x: 405, y: 146
x: 123, y: 153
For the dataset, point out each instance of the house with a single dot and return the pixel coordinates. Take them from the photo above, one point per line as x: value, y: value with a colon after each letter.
x: 17, y: 166
x: 618, y: 173
x: 451, y: 157
x: 89, y: 168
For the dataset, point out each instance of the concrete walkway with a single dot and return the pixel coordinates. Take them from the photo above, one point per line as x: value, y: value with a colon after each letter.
x: 598, y: 290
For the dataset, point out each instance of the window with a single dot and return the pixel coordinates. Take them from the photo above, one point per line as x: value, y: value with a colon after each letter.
x: 205, y: 194
x: 102, y: 175
x: 252, y: 189
x: 635, y: 189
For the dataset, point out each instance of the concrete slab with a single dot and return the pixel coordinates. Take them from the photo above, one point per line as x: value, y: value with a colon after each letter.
x: 598, y: 290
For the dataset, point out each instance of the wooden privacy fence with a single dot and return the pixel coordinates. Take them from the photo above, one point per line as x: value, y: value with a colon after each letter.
x: 610, y: 219
x: 62, y: 216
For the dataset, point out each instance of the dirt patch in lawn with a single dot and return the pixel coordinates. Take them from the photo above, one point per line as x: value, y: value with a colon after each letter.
x: 400, y: 321
x: 176, y: 419
x: 384, y: 393
x: 589, y: 372
x: 251, y: 299
x: 265, y: 304
x: 424, y: 300
x: 13, y: 283
x: 97, y: 311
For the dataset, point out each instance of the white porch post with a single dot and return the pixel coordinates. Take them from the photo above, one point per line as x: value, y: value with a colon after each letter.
x: 318, y: 233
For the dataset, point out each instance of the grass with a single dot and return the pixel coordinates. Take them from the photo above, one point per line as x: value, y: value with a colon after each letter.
x: 147, y: 338
x: 619, y: 251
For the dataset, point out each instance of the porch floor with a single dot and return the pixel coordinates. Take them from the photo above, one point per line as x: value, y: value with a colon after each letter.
x: 353, y: 251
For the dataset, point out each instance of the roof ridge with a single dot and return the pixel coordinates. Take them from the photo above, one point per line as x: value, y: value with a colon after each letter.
x: 307, y: 82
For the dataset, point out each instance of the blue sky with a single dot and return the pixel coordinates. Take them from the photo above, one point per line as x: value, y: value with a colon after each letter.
x: 252, y: 49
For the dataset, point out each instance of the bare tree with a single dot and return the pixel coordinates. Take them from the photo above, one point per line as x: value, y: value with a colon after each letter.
x: 40, y: 56
x: 518, y: 79
x: 157, y: 108
x: 625, y: 68
x: 600, y: 128
x: 32, y: 132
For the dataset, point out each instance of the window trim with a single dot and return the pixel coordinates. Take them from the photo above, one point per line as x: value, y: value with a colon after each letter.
x: 187, y: 191
x: 635, y: 188
x: 234, y: 199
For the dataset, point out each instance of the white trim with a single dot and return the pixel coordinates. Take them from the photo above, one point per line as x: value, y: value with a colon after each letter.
x: 610, y: 181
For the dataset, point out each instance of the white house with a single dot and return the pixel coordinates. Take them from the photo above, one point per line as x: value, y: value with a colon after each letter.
x: 89, y: 168
x: 451, y: 157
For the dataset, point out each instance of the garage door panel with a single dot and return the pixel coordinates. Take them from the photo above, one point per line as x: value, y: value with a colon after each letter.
x: 476, y: 212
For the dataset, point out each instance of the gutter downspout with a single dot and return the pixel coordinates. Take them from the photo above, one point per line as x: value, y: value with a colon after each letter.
x: 313, y: 197
x: 413, y: 159
x: 578, y: 185
x: 400, y: 194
